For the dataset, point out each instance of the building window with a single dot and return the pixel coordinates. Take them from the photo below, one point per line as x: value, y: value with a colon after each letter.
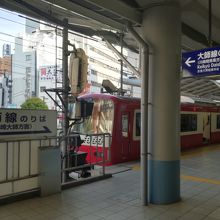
x: 28, y: 57
x: 28, y: 69
x: 93, y: 72
x: 188, y: 122
x: 42, y: 88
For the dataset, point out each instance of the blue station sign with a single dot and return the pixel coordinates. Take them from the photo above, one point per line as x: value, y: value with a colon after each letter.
x: 203, y: 62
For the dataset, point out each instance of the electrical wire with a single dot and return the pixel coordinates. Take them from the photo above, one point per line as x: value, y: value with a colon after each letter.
x: 87, y: 44
x: 44, y: 23
x: 24, y: 46
x: 73, y: 33
x: 52, y: 47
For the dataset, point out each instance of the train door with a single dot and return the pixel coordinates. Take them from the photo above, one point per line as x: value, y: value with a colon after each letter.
x: 126, y: 134
x: 206, y: 127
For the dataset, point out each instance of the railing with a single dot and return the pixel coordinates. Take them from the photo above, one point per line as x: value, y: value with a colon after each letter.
x: 94, y: 144
x: 19, y: 170
x: 19, y: 164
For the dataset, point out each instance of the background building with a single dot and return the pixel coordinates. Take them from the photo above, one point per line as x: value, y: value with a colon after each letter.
x: 24, y: 75
x: 37, y: 62
x: 6, y: 76
x: 6, y: 50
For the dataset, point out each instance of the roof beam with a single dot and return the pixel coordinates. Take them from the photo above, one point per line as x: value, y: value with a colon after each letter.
x: 196, y: 35
x: 199, y: 86
x: 119, y: 8
x: 209, y: 91
x: 190, y: 84
x: 206, y: 89
x: 77, y: 9
x: 195, y: 6
x: 11, y: 5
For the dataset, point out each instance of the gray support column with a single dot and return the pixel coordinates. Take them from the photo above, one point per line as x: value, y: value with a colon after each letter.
x: 162, y: 28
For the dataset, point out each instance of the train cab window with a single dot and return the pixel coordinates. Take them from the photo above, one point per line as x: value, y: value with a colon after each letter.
x: 137, y: 125
x: 188, y: 122
x: 218, y: 122
x: 124, y: 123
x: 101, y: 120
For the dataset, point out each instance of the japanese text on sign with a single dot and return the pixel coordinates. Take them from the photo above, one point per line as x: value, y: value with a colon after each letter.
x: 201, y: 63
x: 11, y: 121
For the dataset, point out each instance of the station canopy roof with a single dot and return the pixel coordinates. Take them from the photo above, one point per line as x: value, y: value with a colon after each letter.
x: 108, y: 19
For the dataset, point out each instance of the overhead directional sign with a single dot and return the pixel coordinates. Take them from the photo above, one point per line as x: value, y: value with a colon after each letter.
x: 201, y: 62
x: 19, y: 123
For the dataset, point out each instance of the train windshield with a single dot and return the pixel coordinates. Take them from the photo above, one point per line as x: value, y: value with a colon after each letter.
x: 101, y: 120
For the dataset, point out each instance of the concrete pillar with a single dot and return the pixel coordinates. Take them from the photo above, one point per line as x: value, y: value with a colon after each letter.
x: 162, y: 29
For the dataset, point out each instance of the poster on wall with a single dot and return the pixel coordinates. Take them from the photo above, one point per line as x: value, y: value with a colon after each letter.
x: 50, y: 73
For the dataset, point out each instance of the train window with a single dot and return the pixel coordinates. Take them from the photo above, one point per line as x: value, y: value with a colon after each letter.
x: 101, y: 120
x: 188, y: 122
x: 218, y: 122
x: 137, y: 125
x: 124, y: 122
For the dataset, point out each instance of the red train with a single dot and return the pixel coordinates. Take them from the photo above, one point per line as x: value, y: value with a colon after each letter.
x: 120, y: 117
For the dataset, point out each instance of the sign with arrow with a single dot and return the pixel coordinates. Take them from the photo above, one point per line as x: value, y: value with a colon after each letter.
x: 203, y: 62
x: 19, y: 123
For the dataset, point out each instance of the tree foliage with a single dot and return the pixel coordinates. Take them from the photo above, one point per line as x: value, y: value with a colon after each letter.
x: 34, y: 103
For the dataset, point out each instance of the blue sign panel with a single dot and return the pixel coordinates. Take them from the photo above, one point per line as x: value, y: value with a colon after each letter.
x: 201, y: 62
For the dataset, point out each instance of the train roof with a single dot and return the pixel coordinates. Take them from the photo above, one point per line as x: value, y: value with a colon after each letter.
x: 199, y: 107
x: 193, y: 107
x: 109, y: 96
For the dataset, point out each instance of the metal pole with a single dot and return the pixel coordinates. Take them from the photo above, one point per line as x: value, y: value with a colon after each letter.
x: 103, y: 149
x: 210, y: 23
x: 121, y: 63
x: 36, y: 74
x: 144, y: 126
x: 65, y: 84
x: 65, y: 79
x: 56, y: 64
x: 144, y: 114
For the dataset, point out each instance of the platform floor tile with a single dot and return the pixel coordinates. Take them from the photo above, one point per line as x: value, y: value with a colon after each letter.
x: 118, y: 198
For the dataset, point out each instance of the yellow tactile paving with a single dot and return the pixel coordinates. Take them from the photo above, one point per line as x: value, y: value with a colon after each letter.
x: 200, y: 151
x: 136, y: 168
x: 199, y: 179
x: 192, y: 153
x: 192, y: 178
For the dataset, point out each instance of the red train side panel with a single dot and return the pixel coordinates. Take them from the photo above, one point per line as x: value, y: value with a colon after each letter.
x: 190, y: 141
x: 215, y: 137
x: 121, y: 116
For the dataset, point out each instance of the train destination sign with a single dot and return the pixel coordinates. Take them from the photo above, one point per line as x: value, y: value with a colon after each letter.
x: 203, y: 62
x: 27, y: 123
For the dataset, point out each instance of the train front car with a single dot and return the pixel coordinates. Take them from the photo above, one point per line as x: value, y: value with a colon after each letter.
x: 111, y: 133
x: 113, y: 129
x: 200, y: 125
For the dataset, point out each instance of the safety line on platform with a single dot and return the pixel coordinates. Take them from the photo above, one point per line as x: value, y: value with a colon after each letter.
x: 199, y: 179
x: 192, y: 178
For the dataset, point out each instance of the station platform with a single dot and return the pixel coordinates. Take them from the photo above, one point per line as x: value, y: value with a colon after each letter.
x: 118, y: 198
